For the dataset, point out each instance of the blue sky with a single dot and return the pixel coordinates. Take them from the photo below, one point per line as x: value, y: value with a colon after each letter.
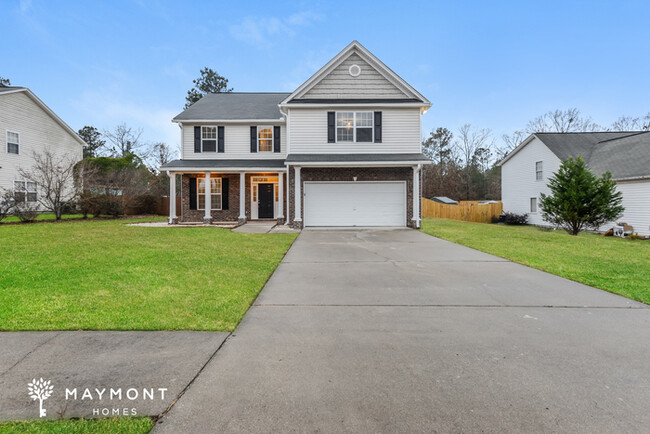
x: 494, y: 64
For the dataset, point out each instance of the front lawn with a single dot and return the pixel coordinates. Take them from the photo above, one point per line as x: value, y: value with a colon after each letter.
x: 79, y: 426
x: 106, y: 275
x: 46, y: 216
x: 613, y: 264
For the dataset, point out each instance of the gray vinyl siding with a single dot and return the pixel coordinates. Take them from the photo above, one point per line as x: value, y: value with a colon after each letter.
x: 400, y: 132
x: 636, y: 201
x: 369, y: 84
x: 38, y: 131
x: 237, y: 143
x: 519, y: 183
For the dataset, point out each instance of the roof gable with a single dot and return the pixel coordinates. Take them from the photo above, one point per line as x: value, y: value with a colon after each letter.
x: 341, y: 84
x: 626, y: 154
x: 375, y: 81
x: 14, y: 89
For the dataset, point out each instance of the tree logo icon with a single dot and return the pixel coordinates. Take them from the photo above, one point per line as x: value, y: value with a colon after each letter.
x: 40, y: 390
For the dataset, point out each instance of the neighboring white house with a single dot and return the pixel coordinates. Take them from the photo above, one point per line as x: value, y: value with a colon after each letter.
x: 27, y: 126
x: 525, y: 172
x: 341, y: 150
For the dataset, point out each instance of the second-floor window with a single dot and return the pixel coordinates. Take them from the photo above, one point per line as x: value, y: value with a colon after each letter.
x: 209, y: 139
x: 354, y: 126
x: 13, y: 142
x: 539, y: 173
x: 265, y: 139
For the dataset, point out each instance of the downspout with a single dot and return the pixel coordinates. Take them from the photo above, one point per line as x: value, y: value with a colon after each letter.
x: 287, y: 125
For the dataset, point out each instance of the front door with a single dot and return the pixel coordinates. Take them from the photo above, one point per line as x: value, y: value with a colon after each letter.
x: 265, y: 201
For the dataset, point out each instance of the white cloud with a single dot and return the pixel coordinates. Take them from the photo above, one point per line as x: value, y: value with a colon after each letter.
x: 25, y: 5
x: 263, y: 31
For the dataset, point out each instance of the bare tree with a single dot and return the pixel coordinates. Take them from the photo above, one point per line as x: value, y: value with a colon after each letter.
x: 54, y: 177
x: 629, y: 123
x: 124, y: 141
x: 510, y: 142
x: 161, y: 154
x: 470, y: 141
x: 7, y: 202
x: 561, y: 121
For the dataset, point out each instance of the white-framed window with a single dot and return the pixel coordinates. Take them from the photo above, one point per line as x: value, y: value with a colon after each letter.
x: 215, y: 193
x: 25, y: 191
x: 209, y: 139
x: 265, y: 139
x: 13, y: 142
x: 354, y: 126
x: 533, y: 204
x: 539, y: 171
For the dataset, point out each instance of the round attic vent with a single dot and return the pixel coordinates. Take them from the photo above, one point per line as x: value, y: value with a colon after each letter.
x: 355, y: 70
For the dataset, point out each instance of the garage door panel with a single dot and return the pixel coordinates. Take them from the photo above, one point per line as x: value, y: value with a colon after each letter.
x: 355, y: 204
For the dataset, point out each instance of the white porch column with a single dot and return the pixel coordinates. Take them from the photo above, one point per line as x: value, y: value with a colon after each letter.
x: 242, y: 197
x: 416, y: 195
x: 208, y: 199
x: 173, y: 219
x: 297, y: 195
x: 280, y: 195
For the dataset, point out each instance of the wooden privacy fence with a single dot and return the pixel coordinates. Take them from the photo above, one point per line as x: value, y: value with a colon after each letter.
x: 162, y: 207
x: 465, y: 211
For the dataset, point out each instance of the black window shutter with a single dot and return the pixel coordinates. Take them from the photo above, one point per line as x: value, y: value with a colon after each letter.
x: 331, y: 127
x: 197, y: 139
x: 224, y: 193
x: 253, y: 139
x: 276, y: 139
x: 377, y: 127
x: 192, y: 193
x: 220, y: 139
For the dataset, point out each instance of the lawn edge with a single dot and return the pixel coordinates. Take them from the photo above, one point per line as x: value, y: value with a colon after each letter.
x: 647, y: 305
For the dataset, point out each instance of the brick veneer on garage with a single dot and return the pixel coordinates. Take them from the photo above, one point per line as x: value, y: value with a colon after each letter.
x: 347, y: 174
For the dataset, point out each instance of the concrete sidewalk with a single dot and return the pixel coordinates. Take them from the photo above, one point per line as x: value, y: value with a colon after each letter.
x: 128, y: 361
x: 397, y: 331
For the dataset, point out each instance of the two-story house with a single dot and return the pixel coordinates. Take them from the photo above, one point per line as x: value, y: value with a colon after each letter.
x: 526, y: 171
x: 28, y: 126
x: 341, y: 150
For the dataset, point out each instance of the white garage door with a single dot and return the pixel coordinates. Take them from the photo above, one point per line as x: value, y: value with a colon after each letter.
x: 355, y: 203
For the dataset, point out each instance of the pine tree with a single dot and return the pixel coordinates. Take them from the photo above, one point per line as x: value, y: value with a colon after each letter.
x: 580, y: 200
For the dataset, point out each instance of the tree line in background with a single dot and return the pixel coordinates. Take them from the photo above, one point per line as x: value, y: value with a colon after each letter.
x: 465, y: 163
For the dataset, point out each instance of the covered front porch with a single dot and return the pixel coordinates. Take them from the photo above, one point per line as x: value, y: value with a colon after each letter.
x: 231, y: 195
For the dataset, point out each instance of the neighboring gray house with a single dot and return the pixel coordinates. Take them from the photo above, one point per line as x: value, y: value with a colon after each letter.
x: 341, y: 150
x: 526, y: 170
x: 27, y: 125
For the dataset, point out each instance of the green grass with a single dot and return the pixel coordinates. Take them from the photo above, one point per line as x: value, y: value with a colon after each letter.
x: 613, y: 264
x: 78, y: 426
x: 46, y: 217
x: 106, y: 275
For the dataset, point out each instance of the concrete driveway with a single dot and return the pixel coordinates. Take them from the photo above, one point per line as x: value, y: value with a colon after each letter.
x: 397, y: 331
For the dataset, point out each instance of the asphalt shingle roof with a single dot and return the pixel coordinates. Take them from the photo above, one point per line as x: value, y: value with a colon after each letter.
x: 234, y: 106
x: 625, y: 154
x: 10, y: 88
